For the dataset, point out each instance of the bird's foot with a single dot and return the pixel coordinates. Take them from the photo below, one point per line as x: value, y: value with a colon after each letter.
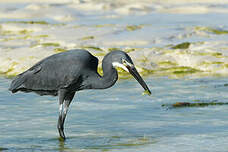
x: 61, y: 139
x: 61, y: 129
x: 61, y: 133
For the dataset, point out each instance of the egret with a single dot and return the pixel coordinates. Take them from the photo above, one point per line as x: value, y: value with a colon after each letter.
x: 65, y: 73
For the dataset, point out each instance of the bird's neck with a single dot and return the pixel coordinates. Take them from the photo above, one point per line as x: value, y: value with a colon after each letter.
x: 108, y: 79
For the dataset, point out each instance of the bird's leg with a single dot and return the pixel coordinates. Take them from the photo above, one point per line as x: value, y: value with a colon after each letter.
x: 62, y: 94
x: 63, y: 109
x: 66, y: 105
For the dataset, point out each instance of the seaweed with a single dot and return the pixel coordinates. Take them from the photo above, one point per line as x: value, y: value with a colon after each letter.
x: 21, y: 32
x: 24, y: 37
x: 217, y: 54
x: 128, y: 50
x: 177, y: 70
x: 3, y: 149
x: 29, y: 22
x: 185, y: 70
x: 103, y: 25
x: 87, y: 38
x: 214, y: 54
x: 58, y: 50
x: 50, y: 44
x: 195, y: 104
x: 113, y: 49
x: 211, y: 30
x: 142, y: 141
x: 41, y: 36
x: 133, y: 27
x: 167, y: 63
x: 92, y: 47
x: 184, y: 45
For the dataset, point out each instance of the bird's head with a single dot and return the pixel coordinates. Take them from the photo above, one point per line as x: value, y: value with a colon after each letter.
x: 122, y: 60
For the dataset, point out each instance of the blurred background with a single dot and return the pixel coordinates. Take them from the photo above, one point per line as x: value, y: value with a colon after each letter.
x: 169, y: 37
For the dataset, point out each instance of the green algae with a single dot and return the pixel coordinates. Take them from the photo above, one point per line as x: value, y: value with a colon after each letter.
x: 184, y: 45
x: 3, y: 149
x: 133, y: 143
x: 24, y: 31
x: 9, y: 72
x: 92, y: 47
x: 142, y: 141
x: 29, y: 22
x: 217, y: 62
x: 116, y: 137
x: 184, y: 70
x: 104, y: 25
x: 214, y: 54
x: 18, y: 38
x: 20, y: 32
x: 217, y: 54
x: 100, y: 70
x: 133, y: 27
x: 167, y: 63
x: 225, y: 85
x: 48, y: 44
x: 143, y: 59
x: 206, y: 63
x: 211, y: 30
x: 180, y: 70
x: 26, y: 37
x: 102, y: 54
x: 59, y: 50
x: 128, y: 50
x: 219, y: 32
x: 40, y: 36
x: 145, y: 72
x: 198, y: 53
x: 87, y: 38
x: 172, y: 71
x: 35, y: 23
x: 121, y: 73
x: 195, y: 104
x: 113, y: 49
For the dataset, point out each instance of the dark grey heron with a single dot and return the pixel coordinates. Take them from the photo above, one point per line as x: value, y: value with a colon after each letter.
x: 65, y: 73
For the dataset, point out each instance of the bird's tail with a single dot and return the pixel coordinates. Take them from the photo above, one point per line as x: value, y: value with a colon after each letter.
x: 16, y: 83
x: 21, y: 78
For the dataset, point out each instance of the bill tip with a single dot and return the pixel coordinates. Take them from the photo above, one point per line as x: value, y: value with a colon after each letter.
x: 147, y: 92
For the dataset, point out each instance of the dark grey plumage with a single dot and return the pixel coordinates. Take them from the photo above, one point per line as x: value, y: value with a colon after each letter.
x: 65, y: 73
x: 55, y: 72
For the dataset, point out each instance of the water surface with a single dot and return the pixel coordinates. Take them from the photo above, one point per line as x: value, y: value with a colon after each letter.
x: 120, y: 118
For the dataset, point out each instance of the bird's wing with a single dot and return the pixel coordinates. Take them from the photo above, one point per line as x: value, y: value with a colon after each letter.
x: 21, y: 78
x: 63, y: 70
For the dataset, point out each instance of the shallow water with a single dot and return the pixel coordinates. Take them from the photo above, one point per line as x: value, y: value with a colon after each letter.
x: 120, y: 118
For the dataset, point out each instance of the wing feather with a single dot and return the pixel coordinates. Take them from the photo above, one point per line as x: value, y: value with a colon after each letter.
x: 57, y: 71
